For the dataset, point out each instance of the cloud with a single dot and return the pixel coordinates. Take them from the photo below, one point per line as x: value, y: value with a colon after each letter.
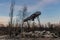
x: 39, y: 5
x: 34, y: 7
x: 42, y: 4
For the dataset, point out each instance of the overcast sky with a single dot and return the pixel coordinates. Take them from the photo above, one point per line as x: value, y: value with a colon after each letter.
x: 50, y: 9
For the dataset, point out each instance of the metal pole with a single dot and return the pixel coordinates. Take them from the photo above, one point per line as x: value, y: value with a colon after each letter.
x: 39, y: 21
x: 28, y: 26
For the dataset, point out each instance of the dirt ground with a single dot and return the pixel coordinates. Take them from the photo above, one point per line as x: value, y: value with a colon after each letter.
x: 33, y: 39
